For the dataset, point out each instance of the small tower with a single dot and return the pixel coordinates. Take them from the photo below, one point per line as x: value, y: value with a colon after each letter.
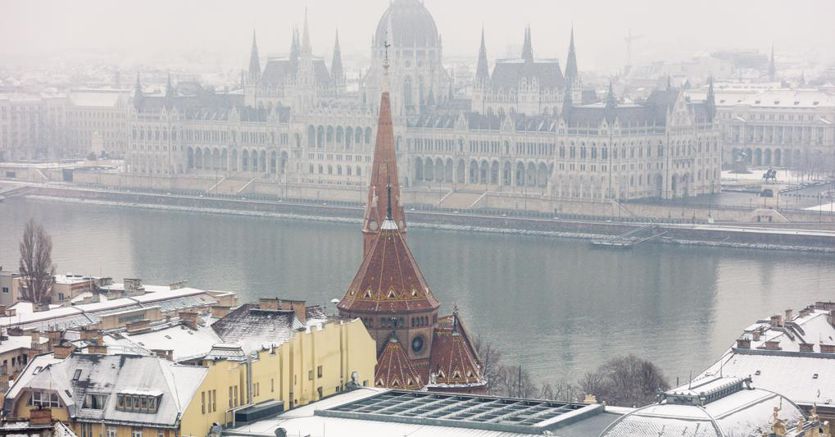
x: 527, y: 46
x: 482, y: 74
x: 572, y: 75
x: 337, y: 73
x: 611, y: 105
x: 254, y: 62
x: 138, y: 95
x: 710, y: 100
x: 772, y: 67
x: 169, y: 88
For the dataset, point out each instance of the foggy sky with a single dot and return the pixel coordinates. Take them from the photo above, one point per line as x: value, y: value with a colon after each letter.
x: 672, y: 29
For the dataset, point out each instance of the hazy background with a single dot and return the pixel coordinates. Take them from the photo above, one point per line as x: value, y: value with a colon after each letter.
x: 141, y: 31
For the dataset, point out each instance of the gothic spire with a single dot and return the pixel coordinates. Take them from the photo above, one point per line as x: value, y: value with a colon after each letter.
x: 383, y: 175
x: 527, y: 47
x: 710, y: 100
x: 254, y: 62
x: 336, y: 64
x: 571, y: 63
x: 772, y: 67
x: 169, y: 89
x: 306, y: 48
x: 482, y: 73
x: 294, y: 47
x: 138, y: 95
x: 611, y: 104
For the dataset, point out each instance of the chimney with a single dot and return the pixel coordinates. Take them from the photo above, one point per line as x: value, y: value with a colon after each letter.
x: 831, y: 317
x: 756, y: 335
x: 776, y: 321
x: 133, y: 287
x: 743, y: 343
x: 807, y: 347
x: 220, y: 311
x: 189, y: 319
x: 772, y: 345
x: 97, y: 349
x: 40, y: 416
x: 90, y: 334
x: 268, y: 303
x: 54, y: 337
x: 827, y: 348
x: 789, y: 315
x: 62, y: 351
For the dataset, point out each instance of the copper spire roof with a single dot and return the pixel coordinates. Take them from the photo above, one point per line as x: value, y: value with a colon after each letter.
x: 394, y: 369
x: 389, y: 279
x: 383, y: 173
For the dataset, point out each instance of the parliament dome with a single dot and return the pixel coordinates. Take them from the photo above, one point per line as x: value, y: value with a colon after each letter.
x: 411, y: 25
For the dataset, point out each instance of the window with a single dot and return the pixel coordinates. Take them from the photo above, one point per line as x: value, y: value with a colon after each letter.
x: 136, y: 432
x: 202, y: 402
x: 95, y: 401
x: 214, y: 401
x: 319, y: 371
x: 140, y: 403
x: 111, y: 431
x: 44, y: 399
x: 230, y: 397
x: 86, y: 430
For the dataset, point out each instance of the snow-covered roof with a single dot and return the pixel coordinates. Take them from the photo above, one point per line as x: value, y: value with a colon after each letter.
x: 73, y: 378
x: 97, y: 98
x: 185, y: 342
x: 256, y: 329
x: 768, y: 350
x: 15, y: 342
x: 67, y: 317
x: 769, y: 98
x: 741, y: 411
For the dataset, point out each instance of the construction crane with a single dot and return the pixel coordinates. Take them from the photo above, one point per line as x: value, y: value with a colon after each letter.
x: 630, y: 38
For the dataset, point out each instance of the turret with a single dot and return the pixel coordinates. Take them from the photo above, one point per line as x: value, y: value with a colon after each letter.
x: 571, y: 75
x: 138, y: 95
x: 527, y: 47
x: 772, y: 67
x: 482, y: 74
x: 254, y: 61
x: 169, y: 88
x: 337, y: 74
x: 710, y: 101
x: 611, y: 105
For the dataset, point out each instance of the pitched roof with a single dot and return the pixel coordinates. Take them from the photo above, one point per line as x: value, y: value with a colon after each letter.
x: 81, y: 374
x: 453, y: 361
x: 508, y: 73
x: 256, y: 329
x: 389, y: 279
x: 278, y: 72
x: 394, y: 369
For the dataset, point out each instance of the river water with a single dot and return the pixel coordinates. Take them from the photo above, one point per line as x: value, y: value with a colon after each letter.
x: 558, y: 307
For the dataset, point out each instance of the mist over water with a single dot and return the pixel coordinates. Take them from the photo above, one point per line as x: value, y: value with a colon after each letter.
x: 556, y: 306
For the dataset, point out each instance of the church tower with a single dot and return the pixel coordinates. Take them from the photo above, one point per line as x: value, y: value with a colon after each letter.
x: 337, y: 72
x: 481, y: 84
x: 572, y: 77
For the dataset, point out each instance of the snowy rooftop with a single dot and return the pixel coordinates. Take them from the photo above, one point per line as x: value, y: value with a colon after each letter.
x: 740, y: 412
x: 183, y: 341
x: 15, y: 342
x: 799, y: 345
x: 256, y: 329
x: 97, y: 98
x: 371, y: 411
x: 769, y: 98
x: 67, y: 317
x: 71, y: 379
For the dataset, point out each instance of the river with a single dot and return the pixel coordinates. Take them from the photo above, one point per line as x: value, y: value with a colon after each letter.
x: 558, y: 307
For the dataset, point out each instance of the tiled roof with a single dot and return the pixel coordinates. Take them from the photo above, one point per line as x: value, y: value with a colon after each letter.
x: 394, y: 369
x: 508, y: 73
x: 256, y: 329
x: 389, y: 280
x: 453, y: 361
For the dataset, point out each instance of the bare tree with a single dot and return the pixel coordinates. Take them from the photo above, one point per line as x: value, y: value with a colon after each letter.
x: 490, y: 358
x: 625, y: 381
x: 515, y: 381
x: 36, y: 266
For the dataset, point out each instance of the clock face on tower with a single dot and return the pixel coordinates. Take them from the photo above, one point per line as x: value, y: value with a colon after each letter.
x: 417, y: 344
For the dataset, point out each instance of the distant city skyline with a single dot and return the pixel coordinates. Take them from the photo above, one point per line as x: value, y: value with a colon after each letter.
x: 669, y: 30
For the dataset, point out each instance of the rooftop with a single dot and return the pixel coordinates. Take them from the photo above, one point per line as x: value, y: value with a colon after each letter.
x: 369, y: 411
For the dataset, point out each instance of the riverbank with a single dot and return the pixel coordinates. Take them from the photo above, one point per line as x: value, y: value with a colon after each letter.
x: 737, y: 236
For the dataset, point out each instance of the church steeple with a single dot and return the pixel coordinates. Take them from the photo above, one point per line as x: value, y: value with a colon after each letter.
x: 527, y: 47
x: 383, y: 174
x: 254, y: 62
x: 482, y: 74
x: 571, y: 63
x: 772, y: 67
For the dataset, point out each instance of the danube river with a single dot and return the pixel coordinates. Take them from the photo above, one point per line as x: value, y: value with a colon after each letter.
x: 558, y: 307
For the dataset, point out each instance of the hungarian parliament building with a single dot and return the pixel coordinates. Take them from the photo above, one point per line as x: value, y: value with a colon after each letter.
x: 527, y: 128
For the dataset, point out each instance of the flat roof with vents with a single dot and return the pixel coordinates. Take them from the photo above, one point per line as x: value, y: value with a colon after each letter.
x: 463, y: 411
